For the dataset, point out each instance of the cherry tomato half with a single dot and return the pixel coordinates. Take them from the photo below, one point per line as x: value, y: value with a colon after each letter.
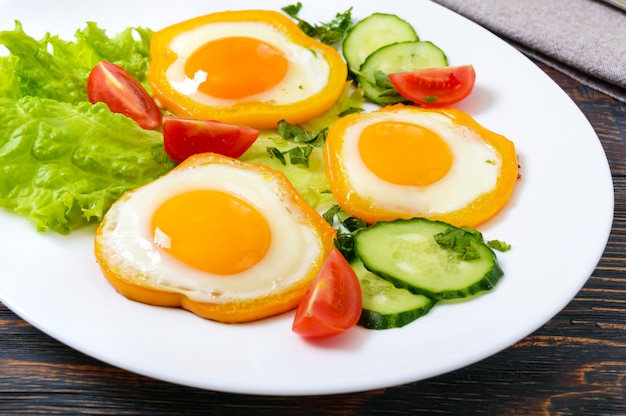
x: 183, y: 137
x: 333, y: 302
x: 122, y: 93
x: 435, y: 87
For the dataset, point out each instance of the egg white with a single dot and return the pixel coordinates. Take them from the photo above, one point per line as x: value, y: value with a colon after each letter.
x: 474, y: 171
x: 307, y: 73
x: 128, y: 242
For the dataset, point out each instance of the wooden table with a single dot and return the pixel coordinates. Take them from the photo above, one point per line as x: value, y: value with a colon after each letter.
x: 574, y: 365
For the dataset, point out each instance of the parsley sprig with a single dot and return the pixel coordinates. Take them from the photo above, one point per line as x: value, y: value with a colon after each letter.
x: 465, y: 240
x: 389, y: 94
x: 329, y: 33
x: 307, y: 142
x: 346, y: 226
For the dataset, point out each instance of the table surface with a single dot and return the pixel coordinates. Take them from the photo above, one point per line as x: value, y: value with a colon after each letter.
x: 573, y: 365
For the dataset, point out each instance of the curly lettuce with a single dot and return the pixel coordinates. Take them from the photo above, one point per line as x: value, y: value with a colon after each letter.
x: 62, y: 166
x: 64, y: 161
x: 58, y: 69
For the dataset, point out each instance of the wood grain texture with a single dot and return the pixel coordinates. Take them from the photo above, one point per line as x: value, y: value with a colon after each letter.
x: 573, y: 365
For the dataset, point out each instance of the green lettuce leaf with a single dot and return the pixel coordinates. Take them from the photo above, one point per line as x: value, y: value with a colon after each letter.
x: 9, y: 81
x: 63, y: 161
x: 62, y: 165
x: 58, y: 69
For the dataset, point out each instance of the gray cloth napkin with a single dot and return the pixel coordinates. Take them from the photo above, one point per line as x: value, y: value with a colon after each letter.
x: 585, y: 39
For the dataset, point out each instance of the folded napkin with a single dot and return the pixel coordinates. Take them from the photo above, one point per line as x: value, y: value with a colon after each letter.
x: 585, y: 39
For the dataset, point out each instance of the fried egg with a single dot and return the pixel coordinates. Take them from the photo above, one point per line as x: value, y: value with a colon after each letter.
x: 227, y: 240
x: 405, y: 161
x: 252, y: 67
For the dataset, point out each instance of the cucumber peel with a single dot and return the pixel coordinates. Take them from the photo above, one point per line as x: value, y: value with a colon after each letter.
x: 394, y: 58
x: 407, y: 253
x: 372, y: 33
x: 386, y: 306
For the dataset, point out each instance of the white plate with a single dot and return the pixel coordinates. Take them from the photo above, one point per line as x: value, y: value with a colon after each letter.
x: 558, y: 223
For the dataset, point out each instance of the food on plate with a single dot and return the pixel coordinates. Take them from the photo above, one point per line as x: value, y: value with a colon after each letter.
x: 239, y: 240
x: 122, y: 93
x: 329, y: 33
x: 227, y: 240
x: 431, y: 258
x: 373, y: 32
x: 252, y: 67
x: 64, y: 165
x: 65, y: 161
x: 435, y: 87
x: 405, y: 161
x: 386, y: 306
x: 383, y: 44
x: 373, y: 76
x: 184, y: 137
x: 405, y: 267
x: 333, y: 302
x: 55, y: 68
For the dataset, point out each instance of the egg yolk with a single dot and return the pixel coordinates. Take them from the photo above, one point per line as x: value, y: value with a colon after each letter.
x: 213, y: 231
x: 237, y: 67
x: 404, y: 153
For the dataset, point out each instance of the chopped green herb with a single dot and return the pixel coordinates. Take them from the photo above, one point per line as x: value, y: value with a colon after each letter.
x: 346, y: 226
x: 300, y: 155
x: 293, y: 9
x: 499, y: 245
x: 387, y: 92
x: 333, y: 32
x: 307, y: 28
x: 330, y: 214
x: 474, y: 232
x: 275, y: 153
x: 298, y: 134
x: 351, y: 110
x: 382, y: 80
x: 328, y: 33
x: 464, y: 241
x: 461, y: 241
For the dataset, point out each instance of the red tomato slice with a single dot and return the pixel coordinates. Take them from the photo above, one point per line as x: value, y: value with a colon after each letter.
x: 333, y: 302
x: 183, y: 137
x: 435, y: 87
x: 122, y: 93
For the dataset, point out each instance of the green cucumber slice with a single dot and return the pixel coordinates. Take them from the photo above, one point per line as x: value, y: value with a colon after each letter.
x: 386, y: 306
x: 406, y: 253
x: 397, y: 57
x: 373, y: 32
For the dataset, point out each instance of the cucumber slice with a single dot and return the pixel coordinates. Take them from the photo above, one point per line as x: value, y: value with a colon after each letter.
x: 406, y: 253
x: 397, y: 57
x: 373, y: 32
x: 386, y: 306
